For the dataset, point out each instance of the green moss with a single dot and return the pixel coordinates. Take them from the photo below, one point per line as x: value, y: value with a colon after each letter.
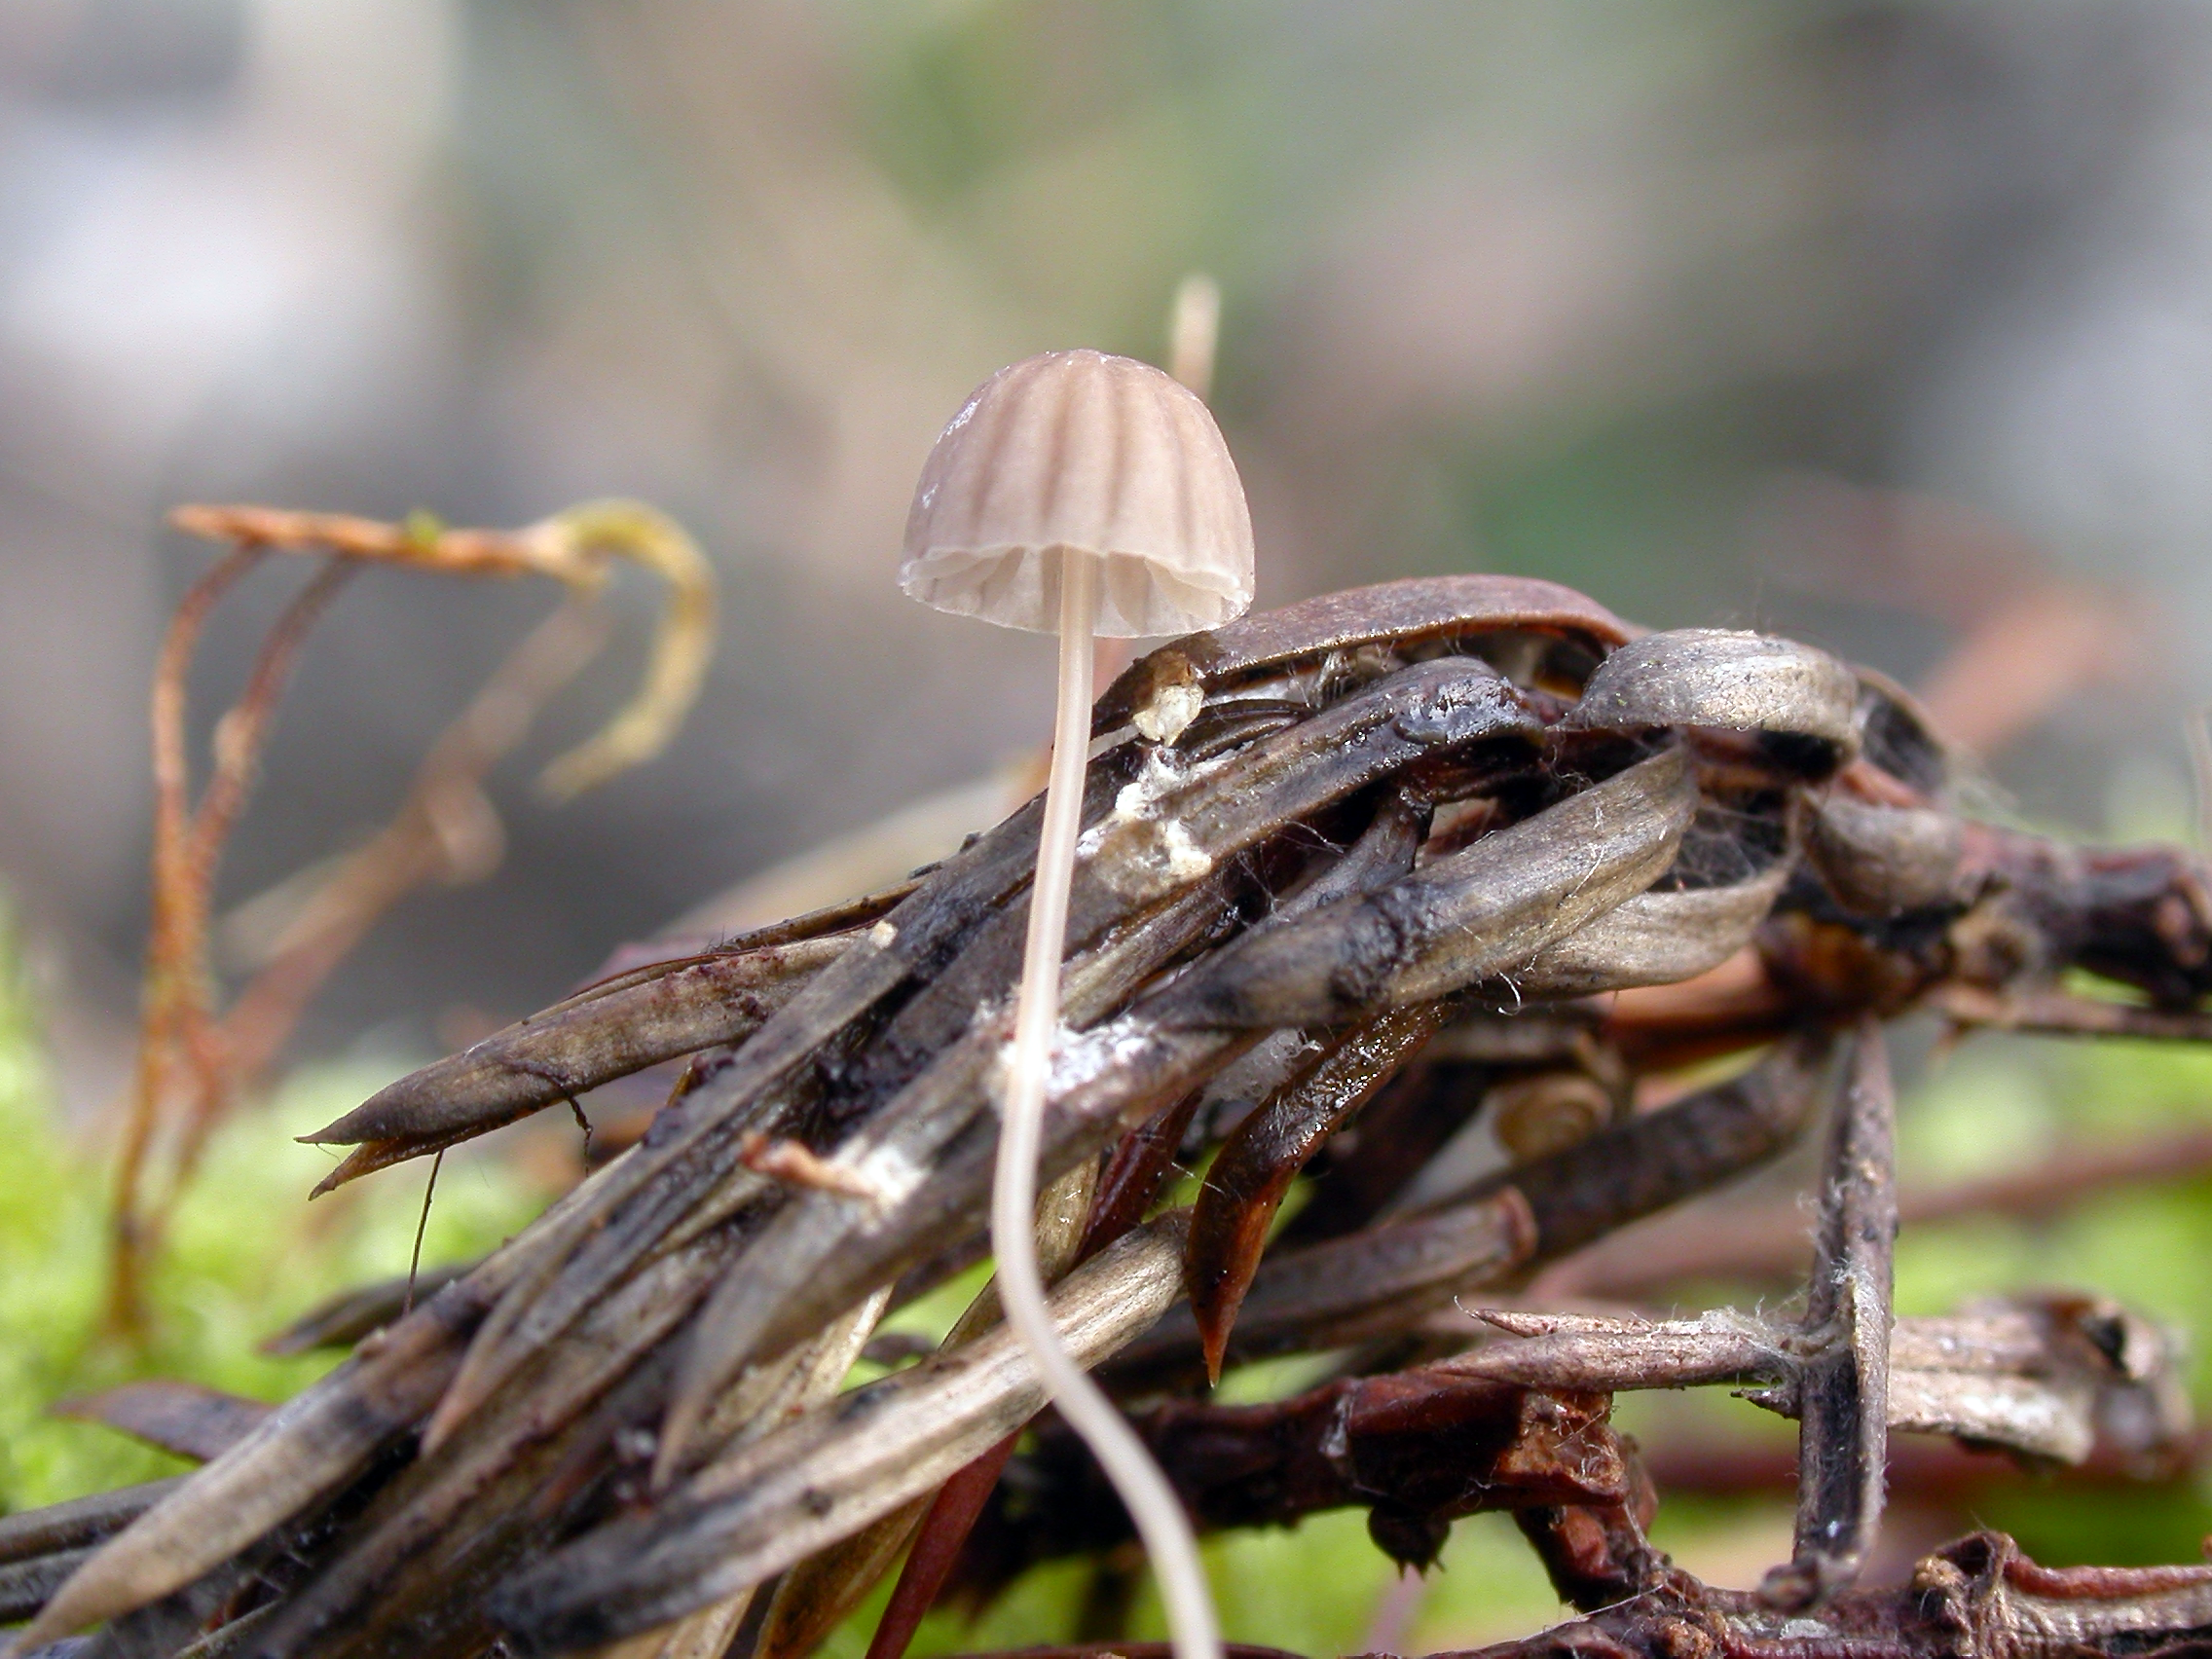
x: 246, y: 1253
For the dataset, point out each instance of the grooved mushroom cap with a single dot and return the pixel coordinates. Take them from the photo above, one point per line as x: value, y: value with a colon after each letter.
x: 1076, y: 451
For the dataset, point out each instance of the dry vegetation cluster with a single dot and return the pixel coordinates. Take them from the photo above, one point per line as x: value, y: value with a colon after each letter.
x: 1450, y: 927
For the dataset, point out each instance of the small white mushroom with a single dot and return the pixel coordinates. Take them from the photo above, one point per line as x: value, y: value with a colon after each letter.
x: 1076, y: 462
x: 1081, y: 494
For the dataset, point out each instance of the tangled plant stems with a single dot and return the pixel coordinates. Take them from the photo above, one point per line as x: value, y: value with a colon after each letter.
x: 1357, y: 878
x: 194, y: 1061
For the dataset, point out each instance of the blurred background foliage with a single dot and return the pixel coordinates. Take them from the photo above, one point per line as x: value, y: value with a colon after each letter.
x: 1865, y: 321
x: 1888, y: 325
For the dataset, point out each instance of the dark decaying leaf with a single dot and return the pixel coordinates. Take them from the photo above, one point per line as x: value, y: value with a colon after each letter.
x: 1407, y: 893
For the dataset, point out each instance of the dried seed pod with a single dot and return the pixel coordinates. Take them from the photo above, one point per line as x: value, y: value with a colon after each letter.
x: 579, y: 1045
x: 1879, y: 861
x: 1419, y: 613
x: 1533, y: 1117
x: 1654, y: 938
x: 1727, y: 681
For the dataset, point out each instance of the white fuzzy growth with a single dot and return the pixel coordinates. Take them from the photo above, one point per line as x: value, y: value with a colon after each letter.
x: 1187, y: 861
x: 889, y: 1173
x: 1080, y: 1057
x: 1157, y: 779
x: 1137, y: 800
x: 1168, y: 713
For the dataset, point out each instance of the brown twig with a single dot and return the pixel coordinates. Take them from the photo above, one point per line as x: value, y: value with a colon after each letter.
x: 1415, y: 1448
x: 178, y: 1030
x: 1978, y: 1595
x: 445, y: 827
x: 1843, y: 1383
x: 1770, y: 1242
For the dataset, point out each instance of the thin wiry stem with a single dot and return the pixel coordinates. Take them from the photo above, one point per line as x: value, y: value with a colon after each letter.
x: 177, y: 1022
x: 1844, y: 1381
x: 166, y: 970
x: 1159, y: 1517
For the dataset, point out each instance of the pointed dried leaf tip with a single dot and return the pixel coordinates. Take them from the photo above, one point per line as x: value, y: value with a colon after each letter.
x: 1083, y: 453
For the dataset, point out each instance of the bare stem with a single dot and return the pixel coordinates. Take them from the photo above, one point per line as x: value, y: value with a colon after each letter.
x: 1143, y: 1489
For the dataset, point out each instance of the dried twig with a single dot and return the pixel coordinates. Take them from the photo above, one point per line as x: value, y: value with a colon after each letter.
x: 444, y: 828
x: 580, y: 1436
x: 1842, y: 1381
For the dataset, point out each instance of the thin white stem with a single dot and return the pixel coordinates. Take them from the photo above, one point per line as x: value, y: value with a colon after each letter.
x: 1152, y: 1505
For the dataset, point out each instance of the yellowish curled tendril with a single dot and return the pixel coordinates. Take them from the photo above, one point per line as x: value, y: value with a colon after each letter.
x: 584, y: 538
x: 576, y: 547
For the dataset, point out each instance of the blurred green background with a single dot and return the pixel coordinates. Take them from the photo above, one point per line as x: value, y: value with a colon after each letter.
x: 1879, y: 323
x: 1888, y: 325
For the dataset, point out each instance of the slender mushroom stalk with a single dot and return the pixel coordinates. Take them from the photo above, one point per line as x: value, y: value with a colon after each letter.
x: 1084, y: 494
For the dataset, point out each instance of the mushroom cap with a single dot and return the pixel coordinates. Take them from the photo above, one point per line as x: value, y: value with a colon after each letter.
x: 1080, y: 453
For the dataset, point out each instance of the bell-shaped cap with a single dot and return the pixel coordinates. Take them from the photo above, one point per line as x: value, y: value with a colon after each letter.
x: 1081, y: 454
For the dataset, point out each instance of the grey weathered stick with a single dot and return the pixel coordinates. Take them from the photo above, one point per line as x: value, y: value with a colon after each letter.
x: 2023, y: 1376
x: 1461, y: 918
x: 1172, y: 832
x: 1654, y: 938
x: 564, y: 1286
x: 816, y: 1374
x: 823, y: 1247
x: 1179, y: 822
x: 1976, y: 1595
x: 1169, y: 830
x: 1844, y: 1381
x: 781, y: 1498
x: 806, y: 1263
x: 305, y: 1451
x: 814, y: 1597
x: 579, y: 1045
x: 24, y: 1585
x: 309, y: 1446
x: 693, y: 1158
x: 1456, y: 920
x: 80, y: 1521
x: 422, y: 1505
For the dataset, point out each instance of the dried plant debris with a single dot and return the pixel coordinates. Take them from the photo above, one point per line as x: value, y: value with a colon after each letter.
x: 1401, y: 891
x: 195, y: 1058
